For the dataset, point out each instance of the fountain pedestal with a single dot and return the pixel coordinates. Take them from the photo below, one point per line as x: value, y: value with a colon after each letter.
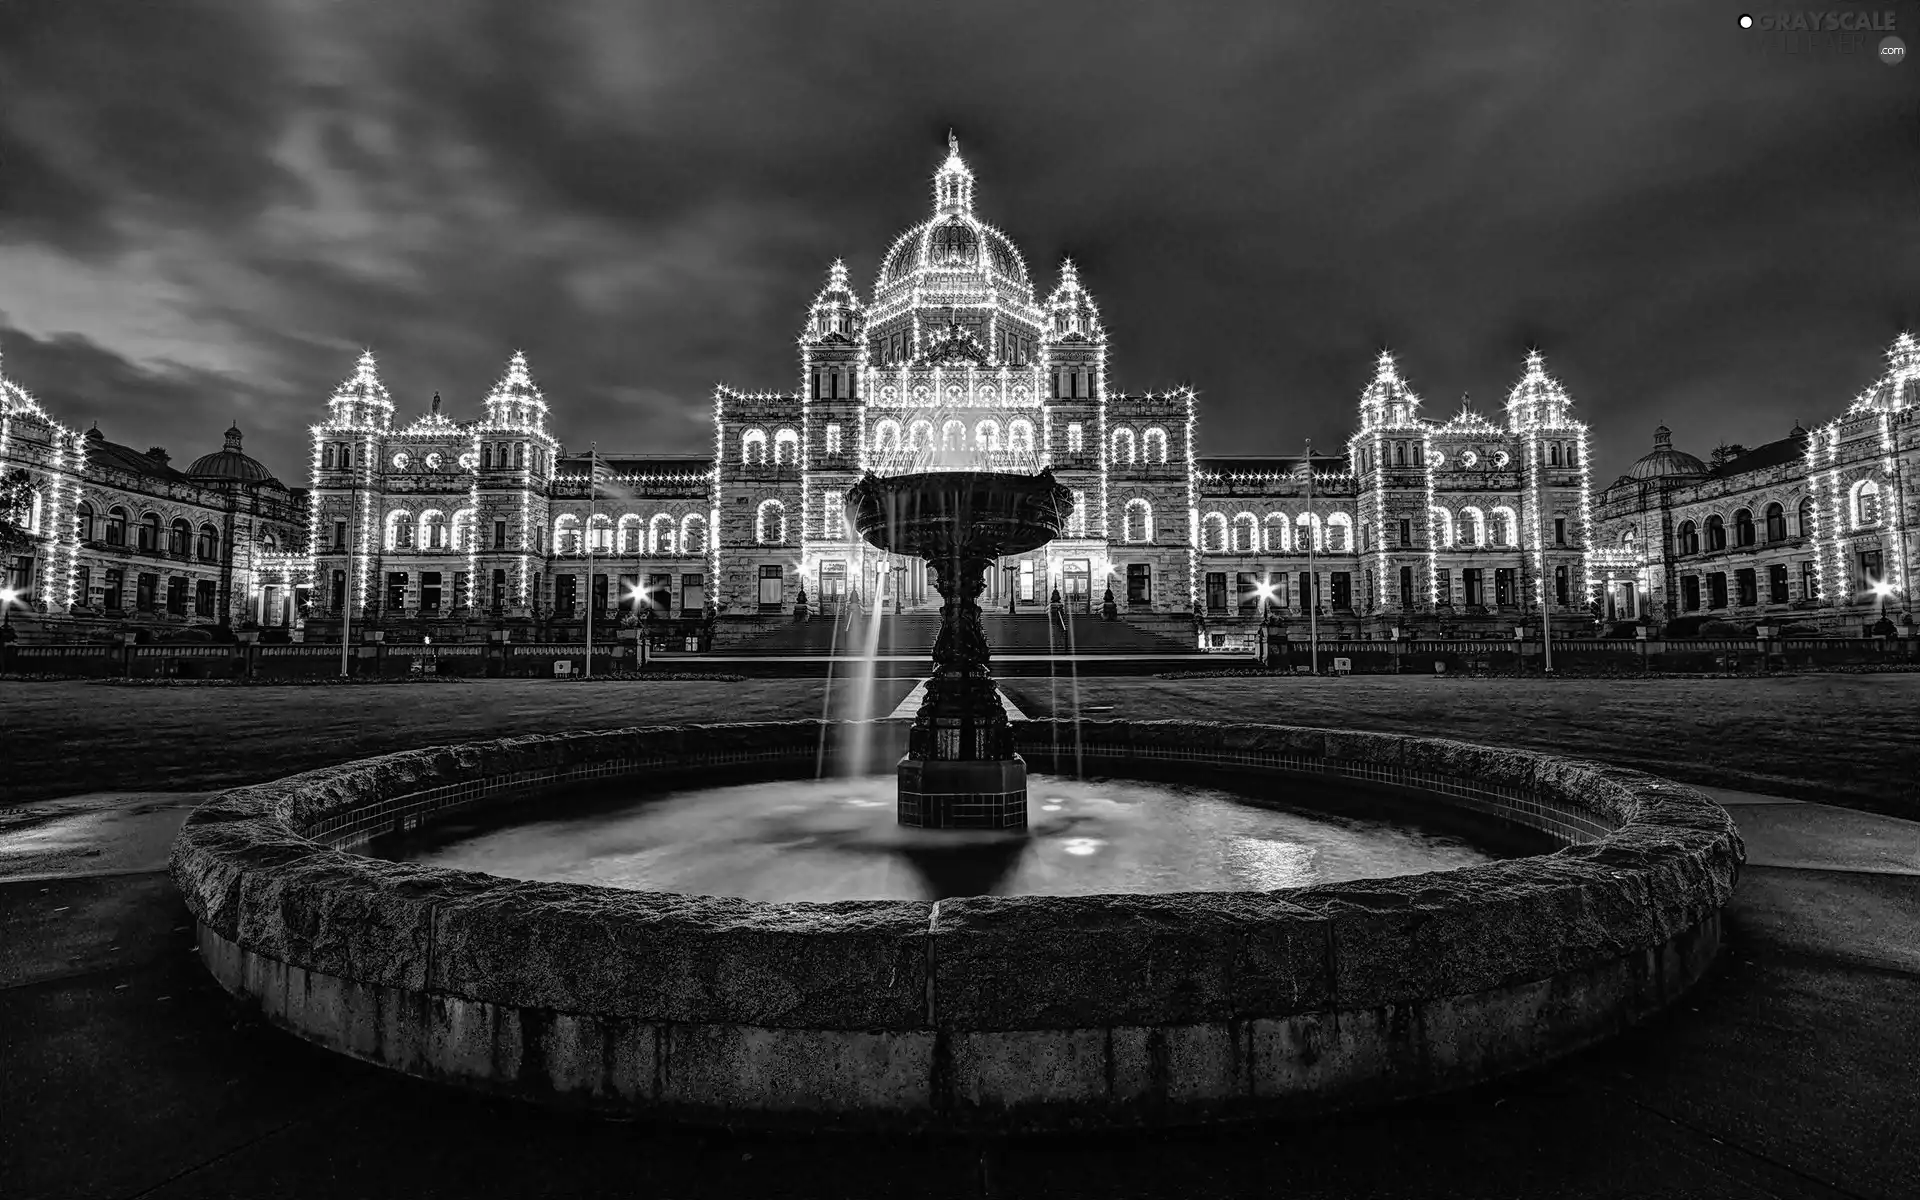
x: 961, y: 771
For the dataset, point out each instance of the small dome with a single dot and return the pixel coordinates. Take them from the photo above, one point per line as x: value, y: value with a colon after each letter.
x: 229, y: 463
x: 1665, y: 461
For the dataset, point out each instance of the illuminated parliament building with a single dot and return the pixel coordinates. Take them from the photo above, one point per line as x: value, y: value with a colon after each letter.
x: 449, y: 528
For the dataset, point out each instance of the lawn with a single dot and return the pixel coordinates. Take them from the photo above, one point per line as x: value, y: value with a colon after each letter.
x: 1844, y: 739
x: 65, y: 738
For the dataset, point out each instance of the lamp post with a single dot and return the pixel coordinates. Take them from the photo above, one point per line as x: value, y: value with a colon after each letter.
x: 899, y: 576
x: 1313, y: 577
x: 1013, y: 573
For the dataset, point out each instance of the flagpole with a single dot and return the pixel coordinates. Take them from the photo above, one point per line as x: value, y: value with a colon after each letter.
x: 1313, y: 578
x: 593, y: 502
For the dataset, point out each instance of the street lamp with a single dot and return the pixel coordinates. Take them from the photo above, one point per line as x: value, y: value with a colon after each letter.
x: 1881, y: 589
x: 7, y: 597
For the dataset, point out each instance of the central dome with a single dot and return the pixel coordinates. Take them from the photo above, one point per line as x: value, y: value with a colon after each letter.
x: 953, y: 258
x: 1664, y: 461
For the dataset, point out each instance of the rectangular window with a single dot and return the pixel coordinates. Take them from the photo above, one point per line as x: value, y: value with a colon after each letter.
x: 1216, y: 591
x: 597, y: 596
x: 833, y: 439
x: 1139, y: 583
x: 20, y: 578
x: 462, y: 590
x: 566, y: 594
x: 1690, y: 593
x: 1470, y: 584
x: 1717, y: 590
x: 177, y: 596
x: 339, y: 591
x: 1406, y: 587
x: 1406, y: 532
x: 396, y: 591
x: 1077, y: 523
x: 1777, y: 583
x: 1869, y: 571
x: 499, y: 535
x: 498, y: 597
x: 1809, y: 582
x: 1309, y: 593
x: 772, y: 583
x: 1746, y: 587
x: 430, y: 591
x: 1247, y: 586
x: 1561, y: 585
x: 628, y: 587
x: 1342, y: 584
x: 82, y: 585
x: 693, y: 594
x: 1026, y: 581
x: 113, y: 585
x: 659, y: 592
x: 339, y: 535
x: 203, y: 598
x: 1443, y: 586
x: 519, y: 455
x: 1559, y: 531
x: 1075, y: 437
x: 1506, y: 586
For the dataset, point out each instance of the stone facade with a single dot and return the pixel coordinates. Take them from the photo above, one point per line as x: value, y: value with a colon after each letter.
x: 121, y: 539
x: 1814, y: 531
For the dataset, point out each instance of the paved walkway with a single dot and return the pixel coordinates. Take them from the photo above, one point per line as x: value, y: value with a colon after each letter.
x: 1791, y: 1072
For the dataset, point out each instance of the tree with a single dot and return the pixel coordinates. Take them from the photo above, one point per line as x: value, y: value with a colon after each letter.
x: 16, y: 509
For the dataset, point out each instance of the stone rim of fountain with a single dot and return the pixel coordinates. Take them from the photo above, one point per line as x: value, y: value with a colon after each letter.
x: 988, y: 1012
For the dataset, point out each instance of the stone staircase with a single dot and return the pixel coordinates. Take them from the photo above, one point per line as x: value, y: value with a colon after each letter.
x: 912, y: 633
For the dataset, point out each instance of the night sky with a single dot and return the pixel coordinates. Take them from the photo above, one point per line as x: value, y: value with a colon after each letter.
x: 207, y: 210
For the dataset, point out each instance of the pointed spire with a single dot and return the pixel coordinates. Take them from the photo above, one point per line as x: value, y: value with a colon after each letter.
x: 836, y: 310
x: 953, y: 182
x: 362, y: 399
x: 1071, y: 309
x: 1537, y: 401
x: 1387, y: 400
x: 515, y: 400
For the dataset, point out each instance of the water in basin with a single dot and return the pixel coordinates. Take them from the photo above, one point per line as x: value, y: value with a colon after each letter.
x: 836, y: 839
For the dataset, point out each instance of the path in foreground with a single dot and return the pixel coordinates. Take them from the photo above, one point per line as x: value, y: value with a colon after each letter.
x: 1788, y: 1073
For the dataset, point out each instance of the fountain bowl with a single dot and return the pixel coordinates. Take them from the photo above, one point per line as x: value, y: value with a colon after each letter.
x: 939, y: 515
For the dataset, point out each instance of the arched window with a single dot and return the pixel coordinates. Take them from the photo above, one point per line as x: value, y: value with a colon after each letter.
x: 433, y: 530
x: 920, y: 435
x: 1553, y: 455
x: 1153, y: 444
x: 786, y: 448
x: 1442, y: 525
x: 1776, y: 517
x: 206, y: 547
x: 1743, y: 528
x: 83, y: 521
x: 399, y: 530
x: 753, y: 447
x: 1246, y: 533
x: 1277, y: 540
x: 600, y: 533
x: 1866, y: 504
x: 1803, y: 517
x: 1473, y: 527
x: 886, y: 436
x: 1020, y: 436
x: 1504, y: 525
x: 519, y: 456
x: 1137, y: 522
x: 1716, y: 533
x: 486, y: 456
x: 1400, y: 454
x: 986, y: 436
x: 268, y: 542
x: 179, y: 534
x: 150, y: 531
x: 1307, y: 532
x: 953, y: 436
x: 1339, y: 533
x: 1213, y: 533
x: 116, y: 532
x: 1123, y: 446
x: 326, y: 457
x: 1686, y: 539
x: 566, y: 534
x: 1626, y: 538
x: 770, y: 523
x: 693, y: 534
x: 463, y: 530
x: 660, y: 534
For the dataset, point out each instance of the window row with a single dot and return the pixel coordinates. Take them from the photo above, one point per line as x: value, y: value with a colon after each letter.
x: 1709, y: 592
x: 179, y: 539
x: 182, y: 596
x: 663, y: 533
x: 889, y: 437
x: 1689, y: 536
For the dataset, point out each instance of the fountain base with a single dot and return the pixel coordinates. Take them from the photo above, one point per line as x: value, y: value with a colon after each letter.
x: 976, y: 793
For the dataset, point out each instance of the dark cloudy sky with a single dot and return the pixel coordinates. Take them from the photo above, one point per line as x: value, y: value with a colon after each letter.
x: 207, y: 209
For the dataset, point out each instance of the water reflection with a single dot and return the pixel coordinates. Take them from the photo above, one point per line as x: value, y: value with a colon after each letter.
x: 835, y: 839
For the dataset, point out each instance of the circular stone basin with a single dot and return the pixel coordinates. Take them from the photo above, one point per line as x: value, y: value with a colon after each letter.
x: 834, y: 839
x: 976, y: 1012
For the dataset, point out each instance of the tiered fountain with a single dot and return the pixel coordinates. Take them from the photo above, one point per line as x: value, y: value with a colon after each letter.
x: 960, y: 771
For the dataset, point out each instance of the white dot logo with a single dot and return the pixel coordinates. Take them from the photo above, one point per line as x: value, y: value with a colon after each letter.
x: 1893, y: 51
x: 1746, y: 22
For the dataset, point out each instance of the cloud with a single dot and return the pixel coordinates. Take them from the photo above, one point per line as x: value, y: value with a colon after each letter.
x: 644, y: 197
